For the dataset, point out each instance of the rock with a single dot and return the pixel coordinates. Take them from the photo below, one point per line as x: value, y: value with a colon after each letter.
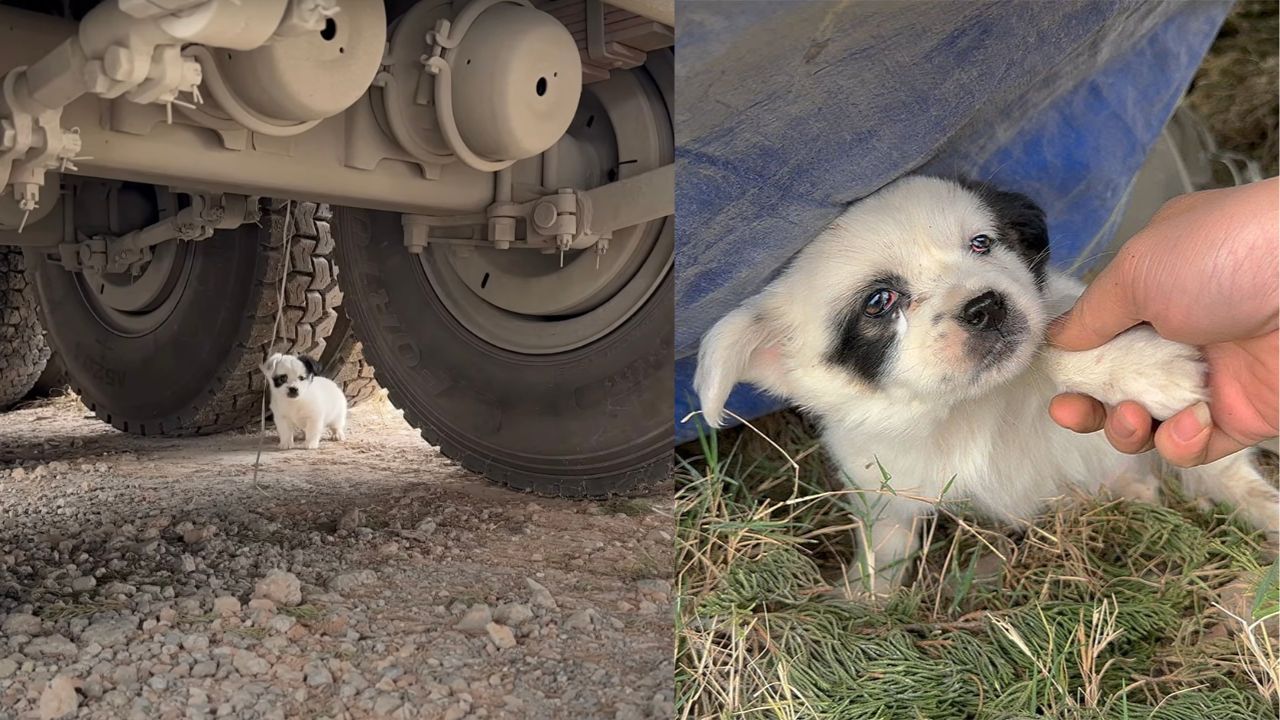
x: 386, y: 704
x: 347, y: 582
x: 539, y: 595
x: 351, y: 520
x: 124, y: 675
x: 580, y: 620
x: 248, y: 663
x: 656, y: 588
x: 501, y: 635
x: 59, y: 699
x: 204, y: 669
x: 262, y: 605
x: 475, y: 619
x: 52, y: 646
x: 109, y: 633
x: 7, y: 668
x: 281, y: 624
x: 22, y: 624
x: 118, y: 588
x: 226, y: 606
x: 628, y: 712
x: 280, y: 587
x: 513, y: 614
x: 84, y: 583
x: 195, y: 643
x: 316, y: 674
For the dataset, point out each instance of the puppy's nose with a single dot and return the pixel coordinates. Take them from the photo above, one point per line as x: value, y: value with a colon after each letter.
x: 293, y: 392
x: 985, y: 312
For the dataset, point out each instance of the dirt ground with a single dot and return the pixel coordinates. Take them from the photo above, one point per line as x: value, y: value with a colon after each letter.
x: 154, y: 578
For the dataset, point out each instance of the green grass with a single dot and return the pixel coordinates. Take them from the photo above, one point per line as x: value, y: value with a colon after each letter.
x: 1103, y: 609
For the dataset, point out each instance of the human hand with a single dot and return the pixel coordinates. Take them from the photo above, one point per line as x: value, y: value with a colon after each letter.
x: 1203, y: 272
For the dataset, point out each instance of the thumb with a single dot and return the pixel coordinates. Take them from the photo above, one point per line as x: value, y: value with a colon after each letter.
x: 1104, y: 310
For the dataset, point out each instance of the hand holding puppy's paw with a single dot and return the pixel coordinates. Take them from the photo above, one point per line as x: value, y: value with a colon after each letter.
x: 1161, y: 375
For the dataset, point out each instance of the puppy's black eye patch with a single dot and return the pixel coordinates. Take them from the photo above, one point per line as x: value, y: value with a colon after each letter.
x: 279, y: 380
x: 863, y: 340
x: 1022, y: 225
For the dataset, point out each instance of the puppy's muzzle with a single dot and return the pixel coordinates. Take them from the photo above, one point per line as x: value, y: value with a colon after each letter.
x: 985, y: 313
x: 292, y: 392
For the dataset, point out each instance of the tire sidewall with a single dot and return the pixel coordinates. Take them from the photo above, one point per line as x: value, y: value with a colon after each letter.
x: 156, y: 382
x: 591, y: 421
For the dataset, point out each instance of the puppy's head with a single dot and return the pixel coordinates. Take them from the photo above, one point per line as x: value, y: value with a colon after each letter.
x: 290, y: 375
x: 928, y: 290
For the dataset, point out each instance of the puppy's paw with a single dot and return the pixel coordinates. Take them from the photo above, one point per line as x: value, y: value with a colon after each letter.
x: 313, y: 444
x: 1161, y: 375
x: 286, y: 444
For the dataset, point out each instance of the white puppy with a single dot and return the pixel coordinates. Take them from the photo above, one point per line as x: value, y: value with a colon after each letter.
x: 301, y: 399
x: 913, y: 330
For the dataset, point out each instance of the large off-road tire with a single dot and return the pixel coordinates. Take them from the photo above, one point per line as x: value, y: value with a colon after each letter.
x: 190, y: 366
x: 588, y: 422
x: 23, y: 352
x: 344, y: 363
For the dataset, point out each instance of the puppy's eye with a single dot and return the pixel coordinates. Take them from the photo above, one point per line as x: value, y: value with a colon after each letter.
x: 879, y: 302
x: 979, y: 244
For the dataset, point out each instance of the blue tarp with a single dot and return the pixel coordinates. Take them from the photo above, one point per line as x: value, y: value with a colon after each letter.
x: 790, y: 110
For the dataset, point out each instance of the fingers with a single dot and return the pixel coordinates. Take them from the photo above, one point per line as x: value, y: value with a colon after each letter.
x: 1102, y: 312
x: 1190, y: 438
x: 1079, y: 413
x: 1128, y: 426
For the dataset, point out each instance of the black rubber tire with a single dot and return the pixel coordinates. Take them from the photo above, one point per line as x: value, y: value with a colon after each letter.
x: 53, y: 382
x: 23, y: 351
x: 585, y: 423
x: 344, y: 363
x: 197, y: 372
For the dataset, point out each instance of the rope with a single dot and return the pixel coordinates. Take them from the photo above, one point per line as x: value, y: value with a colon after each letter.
x: 275, y: 329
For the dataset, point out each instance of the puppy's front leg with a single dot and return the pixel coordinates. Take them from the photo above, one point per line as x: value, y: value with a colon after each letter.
x: 313, y: 430
x: 285, y: 430
x: 1161, y: 375
x: 888, y: 539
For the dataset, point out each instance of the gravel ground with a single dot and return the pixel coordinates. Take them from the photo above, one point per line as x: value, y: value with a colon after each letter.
x: 153, y: 578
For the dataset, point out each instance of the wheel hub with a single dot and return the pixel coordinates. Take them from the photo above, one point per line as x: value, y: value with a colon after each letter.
x: 539, y: 304
x: 131, y: 304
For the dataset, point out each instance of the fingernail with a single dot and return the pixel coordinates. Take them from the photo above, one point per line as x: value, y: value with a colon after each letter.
x: 1186, y: 426
x: 1123, y: 429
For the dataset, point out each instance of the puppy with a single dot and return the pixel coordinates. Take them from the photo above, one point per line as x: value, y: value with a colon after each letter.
x: 301, y: 399
x: 913, y: 329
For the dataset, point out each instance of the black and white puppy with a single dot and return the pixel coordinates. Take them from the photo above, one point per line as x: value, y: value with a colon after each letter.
x: 302, y: 399
x: 913, y: 329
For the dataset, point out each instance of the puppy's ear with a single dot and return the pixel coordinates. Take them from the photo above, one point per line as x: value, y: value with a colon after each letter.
x: 744, y: 346
x: 269, y: 366
x: 308, y: 362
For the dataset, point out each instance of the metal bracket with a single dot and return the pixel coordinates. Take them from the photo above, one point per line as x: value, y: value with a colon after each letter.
x: 567, y: 219
x: 131, y: 251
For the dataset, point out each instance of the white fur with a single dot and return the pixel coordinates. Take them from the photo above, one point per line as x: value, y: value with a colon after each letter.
x: 936, y: 420
x: 320, y: 404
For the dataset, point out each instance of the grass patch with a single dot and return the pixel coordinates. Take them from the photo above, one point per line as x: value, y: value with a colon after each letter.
x: 304, y: 613
x: 1100, y: 610
x: 68, y: 611
x: 256, y: 633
